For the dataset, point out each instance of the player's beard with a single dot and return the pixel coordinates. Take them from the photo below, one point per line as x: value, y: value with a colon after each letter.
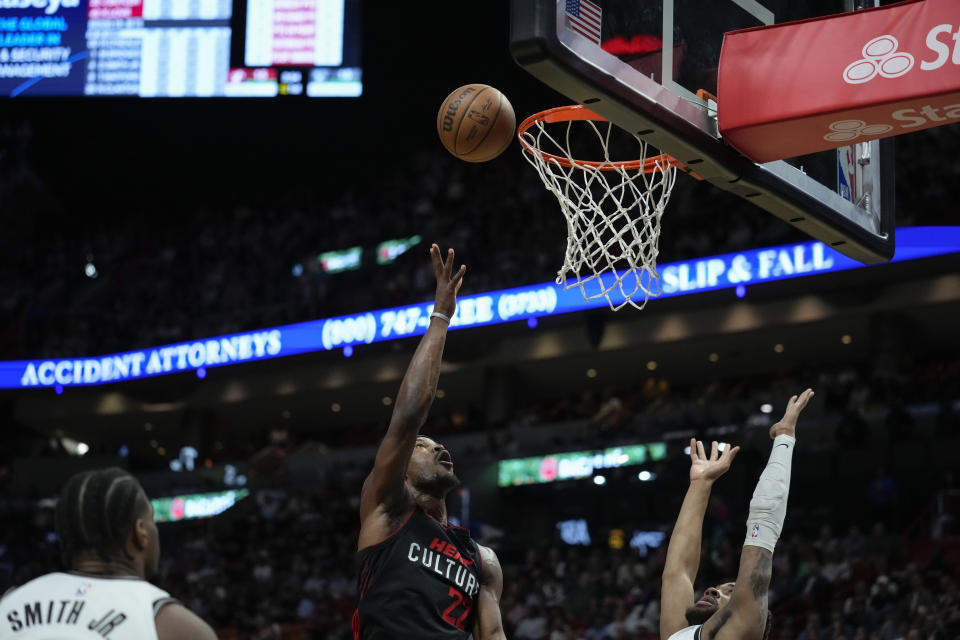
x: 699, y: 614
x: 439, y: 485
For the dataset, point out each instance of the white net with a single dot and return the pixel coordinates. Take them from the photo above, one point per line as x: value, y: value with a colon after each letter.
x: 612, y: 208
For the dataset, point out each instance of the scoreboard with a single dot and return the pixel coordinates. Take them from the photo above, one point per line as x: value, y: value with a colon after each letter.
x: 180, y: 48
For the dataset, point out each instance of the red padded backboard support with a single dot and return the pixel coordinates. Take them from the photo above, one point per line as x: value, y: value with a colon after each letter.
x: 796, y: 88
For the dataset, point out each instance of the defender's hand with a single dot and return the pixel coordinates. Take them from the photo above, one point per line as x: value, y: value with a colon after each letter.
x: 448, y: 283
x: 788, y: 423
x: 709, y: 469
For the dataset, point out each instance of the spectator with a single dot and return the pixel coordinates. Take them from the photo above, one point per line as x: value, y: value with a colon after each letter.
x: 533, y: 626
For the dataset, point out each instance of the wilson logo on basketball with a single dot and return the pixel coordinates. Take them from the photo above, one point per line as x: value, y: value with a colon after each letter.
x: 453, y: 107
x: 882, y: 58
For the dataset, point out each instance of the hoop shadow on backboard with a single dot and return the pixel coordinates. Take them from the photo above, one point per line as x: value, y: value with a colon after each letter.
x: 640, y: 64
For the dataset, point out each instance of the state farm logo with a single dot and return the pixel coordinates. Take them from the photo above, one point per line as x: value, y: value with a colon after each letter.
x: 880, y: 57
x: 846, y: 130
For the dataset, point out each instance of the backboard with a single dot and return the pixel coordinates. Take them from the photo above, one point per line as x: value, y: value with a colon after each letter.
x: 640, y: 64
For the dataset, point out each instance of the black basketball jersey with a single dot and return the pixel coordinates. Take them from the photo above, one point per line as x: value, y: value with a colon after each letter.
x: 421, y: 582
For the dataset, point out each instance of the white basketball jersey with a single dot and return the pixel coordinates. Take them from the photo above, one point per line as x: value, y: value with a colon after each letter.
x: 689, y: 633
x: 65, y: 606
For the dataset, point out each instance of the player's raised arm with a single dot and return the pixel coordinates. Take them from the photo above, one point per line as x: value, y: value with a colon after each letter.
x: 384, y: 491
x: 683, y: 552
x: 745, y: 617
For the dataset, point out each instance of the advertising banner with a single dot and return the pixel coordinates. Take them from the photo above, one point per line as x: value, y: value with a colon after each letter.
x: 575, y: 464
x: 527, y: 303
x: 796, y: 88
x: 43, y: 47
x: 196, y: 505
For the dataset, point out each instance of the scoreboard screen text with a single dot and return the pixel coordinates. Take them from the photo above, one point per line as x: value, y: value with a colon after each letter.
x: 180, y: 48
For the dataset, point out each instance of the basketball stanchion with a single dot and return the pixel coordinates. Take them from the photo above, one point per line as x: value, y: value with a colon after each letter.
x: 612, y: 207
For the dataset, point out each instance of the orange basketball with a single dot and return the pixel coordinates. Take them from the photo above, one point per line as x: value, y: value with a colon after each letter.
x: 476, y: 123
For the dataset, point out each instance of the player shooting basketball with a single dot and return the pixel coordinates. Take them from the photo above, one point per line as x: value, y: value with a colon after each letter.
x: 419, y: 576
x: 734, y: 610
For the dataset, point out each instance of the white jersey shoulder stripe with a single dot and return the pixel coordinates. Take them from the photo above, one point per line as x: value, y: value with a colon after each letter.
x: 161, y: 603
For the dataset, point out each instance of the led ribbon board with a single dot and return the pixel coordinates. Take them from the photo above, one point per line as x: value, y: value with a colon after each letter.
x: 676, y: 278
x: 196, y: 505
x: 575, y: 464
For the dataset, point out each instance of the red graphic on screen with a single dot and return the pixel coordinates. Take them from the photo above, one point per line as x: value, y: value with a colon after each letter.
x: 239, y: 75
x: 114, y: 9
x: 177, y: 509
x: 294, y: 31
x: 548, y: 469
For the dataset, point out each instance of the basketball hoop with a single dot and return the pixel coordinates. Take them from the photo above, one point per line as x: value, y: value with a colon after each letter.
x: 612, y: 207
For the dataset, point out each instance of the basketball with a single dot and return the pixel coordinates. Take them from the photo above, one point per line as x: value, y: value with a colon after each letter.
x: 476, y: 123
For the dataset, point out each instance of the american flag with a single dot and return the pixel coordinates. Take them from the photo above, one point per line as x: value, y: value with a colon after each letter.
x: 584, y: 18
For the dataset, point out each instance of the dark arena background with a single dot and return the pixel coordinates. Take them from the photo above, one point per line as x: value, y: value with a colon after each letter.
x: 184, y: 235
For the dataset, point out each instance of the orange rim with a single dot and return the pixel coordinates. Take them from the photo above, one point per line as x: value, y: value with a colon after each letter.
x: 579, y: 112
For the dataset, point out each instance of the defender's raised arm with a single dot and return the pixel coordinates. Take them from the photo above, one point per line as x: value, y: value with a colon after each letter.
x: 683, y: 553
x: 746, y: 615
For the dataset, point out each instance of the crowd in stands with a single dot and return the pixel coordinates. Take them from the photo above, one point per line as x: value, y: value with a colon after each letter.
x: 280, y: 566
x: 877, y: 400
x: 84, y: 285
x: 653, y: 405
x: 825, y: 587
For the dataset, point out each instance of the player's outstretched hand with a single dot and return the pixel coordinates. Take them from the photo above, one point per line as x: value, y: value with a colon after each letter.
x: 788, y: 423
x: 448, y: 283
x: 709, y: 469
